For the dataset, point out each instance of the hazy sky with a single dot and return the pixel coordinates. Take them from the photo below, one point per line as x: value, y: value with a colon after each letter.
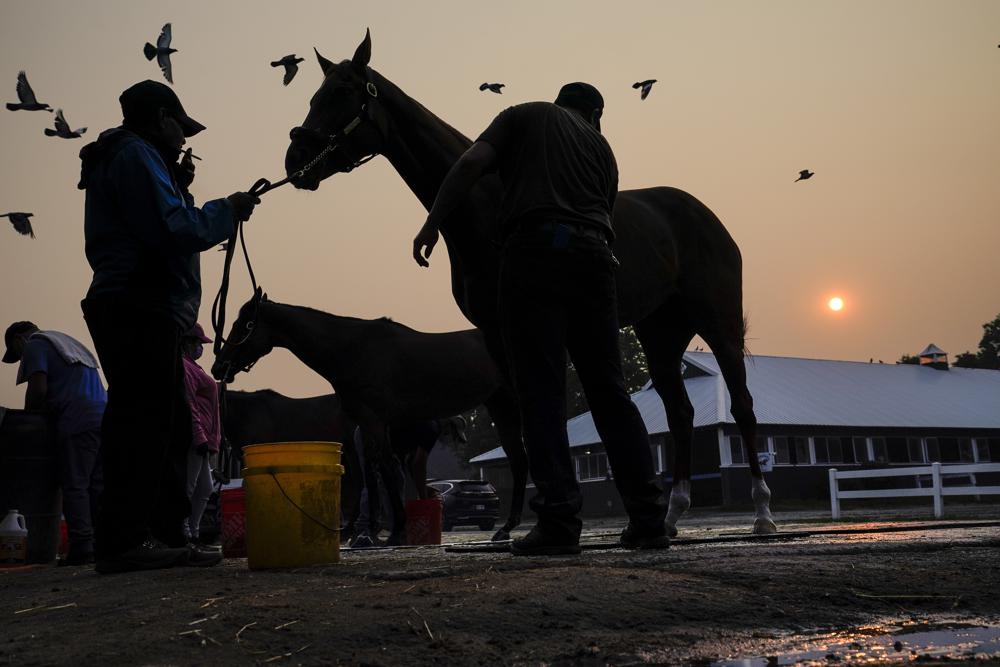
x: 894, y: 105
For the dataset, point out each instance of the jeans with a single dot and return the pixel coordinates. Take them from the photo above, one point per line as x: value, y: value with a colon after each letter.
x: 146, y: 432
x: 199, y: 489
x: 557, y: 294
x: 81, y: 479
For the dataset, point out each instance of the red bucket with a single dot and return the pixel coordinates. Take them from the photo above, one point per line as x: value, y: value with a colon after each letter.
x: 63, y: 538
x: 234, y: 523
x: 423, y: 521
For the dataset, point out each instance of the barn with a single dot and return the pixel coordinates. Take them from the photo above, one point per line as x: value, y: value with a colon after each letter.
x: 813, y: 414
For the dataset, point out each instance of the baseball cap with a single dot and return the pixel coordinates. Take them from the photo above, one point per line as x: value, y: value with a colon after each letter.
x: 198, y: 334
x: 580, y: 95
x: 16, y: 329
x: 142, y: 100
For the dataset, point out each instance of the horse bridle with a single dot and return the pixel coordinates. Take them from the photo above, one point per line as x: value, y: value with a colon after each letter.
x: 262, y: 186
x: 333, y: 140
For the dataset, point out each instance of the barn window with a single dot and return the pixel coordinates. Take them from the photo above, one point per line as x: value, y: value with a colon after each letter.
x: 737, y: 453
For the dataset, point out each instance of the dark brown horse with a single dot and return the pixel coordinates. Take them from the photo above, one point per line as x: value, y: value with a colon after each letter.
x: 383, y: 372
x: 681, y: 272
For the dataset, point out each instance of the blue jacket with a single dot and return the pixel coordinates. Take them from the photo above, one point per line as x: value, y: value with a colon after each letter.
x: 143, y: 234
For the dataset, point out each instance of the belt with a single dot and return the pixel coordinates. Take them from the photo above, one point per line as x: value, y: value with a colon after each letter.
x: 580, y: 229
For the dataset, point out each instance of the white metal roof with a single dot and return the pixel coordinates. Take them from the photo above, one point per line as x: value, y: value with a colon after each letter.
x: 819, y: 392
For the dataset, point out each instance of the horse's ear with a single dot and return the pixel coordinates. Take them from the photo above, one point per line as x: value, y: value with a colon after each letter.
x: 324, y: 64
x: 258, y: 293
x: 364, y: 53
x: 264, y: 297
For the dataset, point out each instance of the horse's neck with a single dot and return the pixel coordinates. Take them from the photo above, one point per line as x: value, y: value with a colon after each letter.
x: 422, y: 147
x: 319, y: 340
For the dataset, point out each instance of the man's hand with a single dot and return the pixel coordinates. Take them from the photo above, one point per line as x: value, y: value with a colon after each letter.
x: 427, y: 238
x: 243, y: 203
x: 185, y: 171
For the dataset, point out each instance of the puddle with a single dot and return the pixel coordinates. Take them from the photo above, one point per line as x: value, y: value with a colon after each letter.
x: 900, y: 644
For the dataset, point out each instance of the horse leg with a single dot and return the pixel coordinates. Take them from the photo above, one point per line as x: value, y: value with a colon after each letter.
x: 664, y: 337
x: 728, y: 351
x: 395, y: 482
x: 503, y: 410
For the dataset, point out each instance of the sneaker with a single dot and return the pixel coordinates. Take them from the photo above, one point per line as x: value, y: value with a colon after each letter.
x: 362, y: 541
x: 634, y: 538
x: 79, y: 554
x: 199, y: 556
x: 541, y: 542
x: 150, y: 555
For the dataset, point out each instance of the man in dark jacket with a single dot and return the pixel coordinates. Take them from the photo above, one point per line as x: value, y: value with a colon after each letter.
x: 557, y: 292
x: 143, y: 237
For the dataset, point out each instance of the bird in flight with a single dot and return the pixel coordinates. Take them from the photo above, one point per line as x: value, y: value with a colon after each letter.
x: 162, y: 52
x: 27, y: 97
x: 805, y: 175
x: 493, y: 87
x: 20, y: 222
x: 646, y: 86
x: 291, y: 65
x: 62, y: 128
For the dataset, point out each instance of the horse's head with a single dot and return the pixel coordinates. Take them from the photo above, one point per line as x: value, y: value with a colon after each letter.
x: 248, y: 341
x: 345, y: 125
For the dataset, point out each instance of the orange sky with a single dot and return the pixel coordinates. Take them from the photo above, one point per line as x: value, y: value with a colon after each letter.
x: 894, y: 105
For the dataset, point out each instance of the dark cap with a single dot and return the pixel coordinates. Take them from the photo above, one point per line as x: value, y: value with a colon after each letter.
x: 141, y: 101
x: 581, y: 96
x: 16, y: 329
x: 197, y: 333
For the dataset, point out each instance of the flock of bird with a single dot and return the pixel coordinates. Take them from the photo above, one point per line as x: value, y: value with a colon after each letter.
x: 27, y: 101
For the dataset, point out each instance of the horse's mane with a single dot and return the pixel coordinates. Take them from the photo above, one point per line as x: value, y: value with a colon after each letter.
x: 344, y: 318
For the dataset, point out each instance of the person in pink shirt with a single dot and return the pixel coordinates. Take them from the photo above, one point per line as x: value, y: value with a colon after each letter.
x: 203, y: 400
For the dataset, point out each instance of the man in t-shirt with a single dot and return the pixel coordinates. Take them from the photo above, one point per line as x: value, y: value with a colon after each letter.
x: 557, y: 293
x: 62, y: 379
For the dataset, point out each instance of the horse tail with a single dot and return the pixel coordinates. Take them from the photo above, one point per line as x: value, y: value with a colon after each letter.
x: 744, y: 330
x: 149, y: 50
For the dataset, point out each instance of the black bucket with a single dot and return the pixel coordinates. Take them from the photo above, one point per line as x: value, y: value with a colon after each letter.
x: 29, y: 480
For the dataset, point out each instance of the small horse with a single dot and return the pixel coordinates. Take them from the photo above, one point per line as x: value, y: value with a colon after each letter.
x: 383, y: 372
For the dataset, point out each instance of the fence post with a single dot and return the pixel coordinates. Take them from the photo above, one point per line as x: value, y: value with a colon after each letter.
x: 938, y: 498
x: 834, y: 499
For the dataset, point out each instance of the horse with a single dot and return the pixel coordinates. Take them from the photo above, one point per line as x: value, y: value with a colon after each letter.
x: 680, y: 276
x: 383, y: 372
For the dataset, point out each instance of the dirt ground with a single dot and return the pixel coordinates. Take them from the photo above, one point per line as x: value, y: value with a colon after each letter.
x: 695, y: 603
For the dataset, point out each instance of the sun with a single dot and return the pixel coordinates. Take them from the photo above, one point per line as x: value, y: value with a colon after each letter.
x: 835, y: 304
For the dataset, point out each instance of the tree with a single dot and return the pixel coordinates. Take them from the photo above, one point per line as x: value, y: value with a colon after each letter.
x: 988, y: 354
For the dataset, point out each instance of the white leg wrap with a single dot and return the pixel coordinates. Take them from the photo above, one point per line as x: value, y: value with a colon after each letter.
x: 763, y: 523
x: 680, y: 501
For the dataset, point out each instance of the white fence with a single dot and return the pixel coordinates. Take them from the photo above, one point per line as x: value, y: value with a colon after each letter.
x: 936, y: 490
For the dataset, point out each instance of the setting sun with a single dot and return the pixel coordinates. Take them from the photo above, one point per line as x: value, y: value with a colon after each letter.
x: 836, y: 303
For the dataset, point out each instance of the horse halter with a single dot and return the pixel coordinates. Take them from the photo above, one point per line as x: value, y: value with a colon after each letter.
x: 333, y: 140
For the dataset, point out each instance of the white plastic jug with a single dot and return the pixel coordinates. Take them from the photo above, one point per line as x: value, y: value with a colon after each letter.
x: 13, y: 539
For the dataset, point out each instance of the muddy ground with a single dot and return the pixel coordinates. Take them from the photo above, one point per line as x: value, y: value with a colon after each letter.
x: 694, y: 603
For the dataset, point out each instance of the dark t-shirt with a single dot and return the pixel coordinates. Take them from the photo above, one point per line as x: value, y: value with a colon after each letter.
x: 75, y: 397
x: 554, y: 166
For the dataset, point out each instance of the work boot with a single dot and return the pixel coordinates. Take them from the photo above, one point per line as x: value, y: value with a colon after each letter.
x: 150, y: 555
x: 199, y: 556
x: 635, y: 538
x: 541, y: 541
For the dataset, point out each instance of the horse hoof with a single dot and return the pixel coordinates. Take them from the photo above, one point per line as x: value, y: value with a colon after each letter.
x: 764, y: 526
x: 501, y: 535
x: 671, y: 531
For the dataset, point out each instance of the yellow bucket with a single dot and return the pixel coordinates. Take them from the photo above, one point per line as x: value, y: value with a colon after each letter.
x: 293, y: 503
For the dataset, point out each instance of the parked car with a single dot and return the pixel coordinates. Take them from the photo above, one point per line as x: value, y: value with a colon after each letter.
x: 467, y: 502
